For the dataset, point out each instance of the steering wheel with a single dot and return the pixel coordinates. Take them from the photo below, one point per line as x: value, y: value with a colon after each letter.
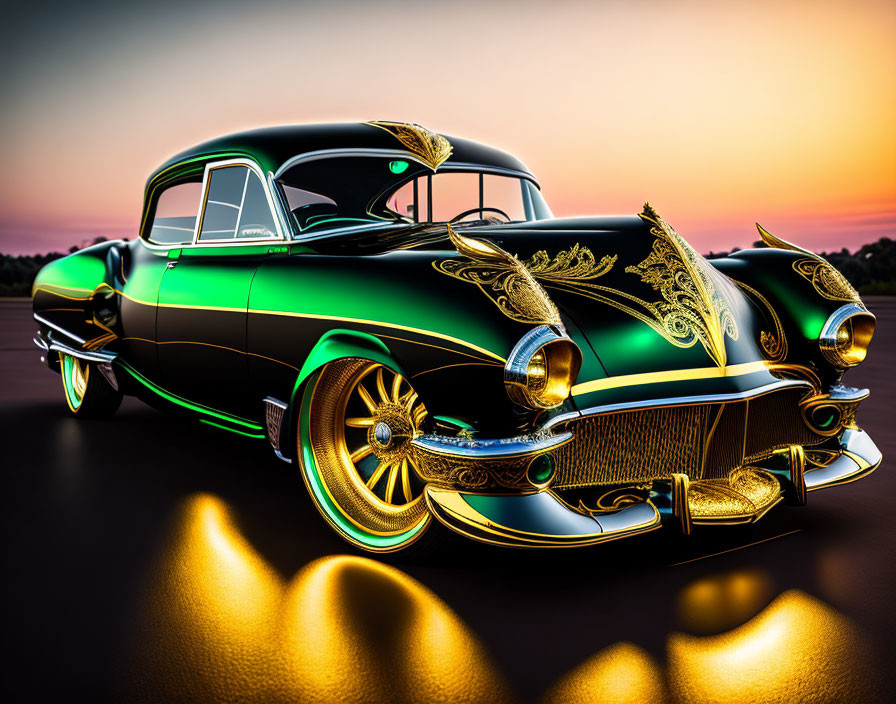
x: 471, y: 211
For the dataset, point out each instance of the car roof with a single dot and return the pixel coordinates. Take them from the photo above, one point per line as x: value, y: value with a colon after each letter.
x: 272, y: 147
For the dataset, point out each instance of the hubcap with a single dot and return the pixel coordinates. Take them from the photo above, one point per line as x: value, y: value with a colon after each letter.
x: 383, y: 415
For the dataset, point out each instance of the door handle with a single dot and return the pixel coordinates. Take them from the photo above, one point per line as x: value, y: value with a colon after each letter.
x: 171, y: 264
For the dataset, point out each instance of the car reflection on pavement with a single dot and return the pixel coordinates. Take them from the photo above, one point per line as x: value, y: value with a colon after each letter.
x: 218, y: 623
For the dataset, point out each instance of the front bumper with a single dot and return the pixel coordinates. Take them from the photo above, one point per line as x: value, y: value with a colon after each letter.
x: 544, y: 519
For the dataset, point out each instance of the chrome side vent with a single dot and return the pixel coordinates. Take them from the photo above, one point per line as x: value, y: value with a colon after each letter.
x: 274, y: 412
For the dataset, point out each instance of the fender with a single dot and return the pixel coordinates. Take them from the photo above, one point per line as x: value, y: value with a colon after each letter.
x: 334, y: 345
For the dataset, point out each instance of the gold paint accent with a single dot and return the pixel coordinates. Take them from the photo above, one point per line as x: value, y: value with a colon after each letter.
x: 432, y: 148
x: 825, y: 279
x: 509, y: 283
x: 311, y: 316
x: 773, y: 342
x: 615, y: 382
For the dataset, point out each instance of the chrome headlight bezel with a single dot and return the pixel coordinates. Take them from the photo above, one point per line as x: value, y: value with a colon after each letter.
x: 846, y: 334
x: 542, y: 368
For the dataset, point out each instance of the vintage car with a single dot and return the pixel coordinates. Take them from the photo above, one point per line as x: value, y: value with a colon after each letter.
x: 399, y: 314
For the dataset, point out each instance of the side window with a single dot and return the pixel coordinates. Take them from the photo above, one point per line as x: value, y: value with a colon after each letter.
x: 175, y: 216
x: 236, y: 206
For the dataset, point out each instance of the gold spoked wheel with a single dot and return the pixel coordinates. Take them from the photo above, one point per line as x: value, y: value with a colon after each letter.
x: 358, y: 423
x: 378, y: 439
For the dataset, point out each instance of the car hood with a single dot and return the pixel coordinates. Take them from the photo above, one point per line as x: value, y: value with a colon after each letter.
x: 658, y: 316
x: 652, y: 316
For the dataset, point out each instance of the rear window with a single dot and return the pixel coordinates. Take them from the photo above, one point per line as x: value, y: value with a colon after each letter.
x: 174, y: 219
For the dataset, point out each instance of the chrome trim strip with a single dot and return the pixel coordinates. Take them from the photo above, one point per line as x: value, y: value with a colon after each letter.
x: 517, y: 365
x: 81, y: 354
x: 108, y: 371
x: 59, y: 329
x: 673, y: 401
x: 839, y: 392
x: 254, y: 168
x: 860, y: 457
x: 369, y: 151
x: 490, y: 448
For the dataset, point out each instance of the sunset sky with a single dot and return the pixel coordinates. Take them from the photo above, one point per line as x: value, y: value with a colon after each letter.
x: 720, y: 114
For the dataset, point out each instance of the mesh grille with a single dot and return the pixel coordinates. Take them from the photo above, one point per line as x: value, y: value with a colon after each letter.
x: 702, y: 441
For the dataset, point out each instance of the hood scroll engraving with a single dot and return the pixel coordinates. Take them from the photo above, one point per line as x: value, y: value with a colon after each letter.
x: 825, y: 279
x: 502, y: 277
x: 692, y: 309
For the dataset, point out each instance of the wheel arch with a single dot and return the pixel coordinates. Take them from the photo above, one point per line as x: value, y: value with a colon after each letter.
x: 333, y: 345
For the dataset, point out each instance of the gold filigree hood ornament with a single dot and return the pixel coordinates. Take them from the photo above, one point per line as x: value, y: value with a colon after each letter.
x: 502, y: 277
x: 825, y: 279
x: 432, y: 148
x: 693, y: 308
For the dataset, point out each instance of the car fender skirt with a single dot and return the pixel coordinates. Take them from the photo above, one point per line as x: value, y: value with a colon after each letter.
x: 536, y: 520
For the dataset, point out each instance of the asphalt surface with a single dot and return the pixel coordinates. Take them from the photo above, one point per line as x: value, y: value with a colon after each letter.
x: 152, y: 558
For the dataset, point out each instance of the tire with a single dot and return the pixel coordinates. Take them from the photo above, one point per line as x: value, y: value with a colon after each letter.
x: 355, y: 425
x: 87, y: 393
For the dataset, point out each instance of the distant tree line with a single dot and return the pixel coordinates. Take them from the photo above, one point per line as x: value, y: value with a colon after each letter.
x: 872, y: 269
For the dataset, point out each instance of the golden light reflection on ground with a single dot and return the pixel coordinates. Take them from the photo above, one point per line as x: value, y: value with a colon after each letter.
x: 222, y: 625
x: 620, y: 674
x: 797, y: 649
x: 721, y: 602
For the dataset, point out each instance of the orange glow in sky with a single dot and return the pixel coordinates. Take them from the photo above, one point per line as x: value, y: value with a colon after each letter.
x: 719, y: 114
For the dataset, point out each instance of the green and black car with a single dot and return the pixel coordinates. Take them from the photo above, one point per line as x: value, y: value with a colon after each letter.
x: 399, y: 314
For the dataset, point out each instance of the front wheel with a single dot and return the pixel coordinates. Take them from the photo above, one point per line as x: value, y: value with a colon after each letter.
x: 356, y: 423
x: 87, y: 393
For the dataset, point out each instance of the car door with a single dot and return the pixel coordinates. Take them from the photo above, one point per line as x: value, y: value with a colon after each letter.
x: 204, y: 292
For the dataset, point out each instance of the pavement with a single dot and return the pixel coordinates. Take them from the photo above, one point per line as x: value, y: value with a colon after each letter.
x: 152, y: 558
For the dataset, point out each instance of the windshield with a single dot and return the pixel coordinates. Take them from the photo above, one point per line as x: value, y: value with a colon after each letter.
x: 356, y: 190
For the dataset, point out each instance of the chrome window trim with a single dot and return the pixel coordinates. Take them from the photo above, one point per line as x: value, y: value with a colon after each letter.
x: 673, y: 401
x: 203, y: 201
x: 371, y: 152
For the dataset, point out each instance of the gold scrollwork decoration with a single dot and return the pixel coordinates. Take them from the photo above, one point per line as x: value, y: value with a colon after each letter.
x: 472, y: 475
x: 502, y: 277
x: 692, y: 309
x: 825, y: 279
x: 693, y: 306
x: 432, y: 148
x: 773, y: 342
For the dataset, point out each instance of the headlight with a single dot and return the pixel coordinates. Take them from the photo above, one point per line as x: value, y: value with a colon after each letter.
x: 542, y: 367
x: 845, y: 336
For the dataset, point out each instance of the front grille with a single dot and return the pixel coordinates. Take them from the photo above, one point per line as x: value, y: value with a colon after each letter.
x: 703, y: 441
